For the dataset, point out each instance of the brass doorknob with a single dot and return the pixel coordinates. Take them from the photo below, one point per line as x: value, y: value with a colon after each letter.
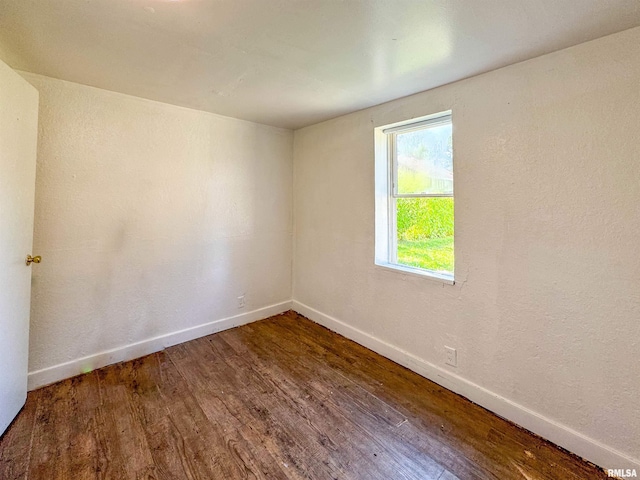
x: 30, y: 259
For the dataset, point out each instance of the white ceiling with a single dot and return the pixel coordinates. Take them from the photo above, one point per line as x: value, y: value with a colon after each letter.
x: 290, y: 63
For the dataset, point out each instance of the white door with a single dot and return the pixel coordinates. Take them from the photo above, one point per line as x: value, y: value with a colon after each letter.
x: 18, y: 142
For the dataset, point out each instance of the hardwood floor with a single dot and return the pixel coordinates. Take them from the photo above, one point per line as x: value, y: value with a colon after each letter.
x: 282, y: 398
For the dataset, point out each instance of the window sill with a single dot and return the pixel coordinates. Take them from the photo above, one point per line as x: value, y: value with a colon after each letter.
x: 417, y: 272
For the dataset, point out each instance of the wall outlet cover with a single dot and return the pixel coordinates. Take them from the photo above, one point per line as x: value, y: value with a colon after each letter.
x: 452, y: 356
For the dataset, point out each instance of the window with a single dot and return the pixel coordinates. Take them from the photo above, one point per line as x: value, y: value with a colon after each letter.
x: 414, y: 196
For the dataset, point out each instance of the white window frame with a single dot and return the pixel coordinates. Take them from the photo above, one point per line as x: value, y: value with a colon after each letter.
x: 386, y: 248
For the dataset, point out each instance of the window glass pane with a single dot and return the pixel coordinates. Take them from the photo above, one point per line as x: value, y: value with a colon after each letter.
x: 425, y: 161
x: 425, y: 233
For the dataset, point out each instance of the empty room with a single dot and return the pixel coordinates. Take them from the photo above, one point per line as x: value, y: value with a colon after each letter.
x: 319, y: 239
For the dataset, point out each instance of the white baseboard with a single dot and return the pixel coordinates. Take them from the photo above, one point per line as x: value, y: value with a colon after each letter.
x: 45, y: 376
x: 588, y: 448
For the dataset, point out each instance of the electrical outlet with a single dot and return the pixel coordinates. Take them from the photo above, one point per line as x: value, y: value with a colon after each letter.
x: 452, y: 357
x: 241, y: 301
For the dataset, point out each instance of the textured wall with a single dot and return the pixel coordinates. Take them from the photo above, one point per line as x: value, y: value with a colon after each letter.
x: 151, y: 219
x: 546, y: 306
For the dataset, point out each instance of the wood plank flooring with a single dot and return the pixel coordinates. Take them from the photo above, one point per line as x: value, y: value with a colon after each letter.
x: 282, y: 398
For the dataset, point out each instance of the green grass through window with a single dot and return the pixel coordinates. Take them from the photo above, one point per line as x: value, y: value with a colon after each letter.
x: 425, y: 233
x: 431, y: 254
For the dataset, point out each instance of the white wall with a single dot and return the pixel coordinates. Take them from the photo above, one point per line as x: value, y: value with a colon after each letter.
x: 545, y: 312
x: 150, y: 219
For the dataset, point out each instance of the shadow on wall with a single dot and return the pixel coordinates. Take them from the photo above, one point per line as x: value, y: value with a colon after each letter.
x: 151, y: 219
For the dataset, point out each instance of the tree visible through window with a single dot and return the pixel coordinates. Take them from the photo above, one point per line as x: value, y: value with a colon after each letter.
x: 420, y: 195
